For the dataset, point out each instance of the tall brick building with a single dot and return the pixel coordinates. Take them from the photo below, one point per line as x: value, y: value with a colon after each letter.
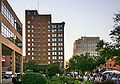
x: 44, y: 39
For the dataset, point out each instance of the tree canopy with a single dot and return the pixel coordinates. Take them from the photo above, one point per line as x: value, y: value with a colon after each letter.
x: 32, y: 66
x: 53, y: 69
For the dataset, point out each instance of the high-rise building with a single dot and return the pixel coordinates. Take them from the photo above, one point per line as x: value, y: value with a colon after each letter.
x: 10, y: 37
x: 86, y: 45
x: 44, y: 39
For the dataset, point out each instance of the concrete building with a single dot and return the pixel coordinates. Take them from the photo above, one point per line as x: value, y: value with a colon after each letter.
x: 10, y: 36
x: 86, y: 45
x: 44, y: 39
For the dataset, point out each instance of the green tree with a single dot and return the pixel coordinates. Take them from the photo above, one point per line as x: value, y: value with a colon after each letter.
x: 73, y: 63
x: 33, y: 78
x: 53, y: 69
x: 110, y: 49
x: 82, y: 63
x: 86, y: 63
x: 31, y: 66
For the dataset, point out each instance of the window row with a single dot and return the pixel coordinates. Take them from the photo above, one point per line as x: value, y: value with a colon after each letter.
x: 8, y: 15
x: 55, y: 26
x: 55, y: 53
x: 6, y: 32
x: 55, y: 44
x: 55, y: 57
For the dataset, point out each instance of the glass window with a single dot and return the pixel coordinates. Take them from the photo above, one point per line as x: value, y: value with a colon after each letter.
x: 60, y: 26
x: 48, y: 26
x: 54, y: 44
x: 60, y: 30
x: 48, y: 53
x: 54, y: 35
x: 28, y: 22
x: 54, y: 30
x: 48, y: 44
x: 48, y: 35
x: 60, y: 44
x: 53, y: 26
x: 28, y: 44
x: 48, y: 40
x: 49, y: 58
x: 28, y: 53
x: 54, y: 39
x: 28, y: 49
x: 28, y: 26
x: 48, y: 49
x: 48, y: 62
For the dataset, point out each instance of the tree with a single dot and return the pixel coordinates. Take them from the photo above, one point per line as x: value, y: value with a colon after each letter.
x: 82, y: 63
x: 115, y: 33
x: 110, y: 49
x: 86, y: 63
x: 33, y: 78
x: 32, y: 66
x: 73, y: 63
x: 53, y: 69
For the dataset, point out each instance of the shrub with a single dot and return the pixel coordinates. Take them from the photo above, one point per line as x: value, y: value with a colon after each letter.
x: 33, y: 78
x: 87, y: 82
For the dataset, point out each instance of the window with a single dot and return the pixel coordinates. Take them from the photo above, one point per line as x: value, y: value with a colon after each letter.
x: 28, y: 49
x: 28, y: 40
x: 54, y: 53
x: 28, y: 53
x: 7, y: 14
x: 54, y: 57
x: 60, y: 35
x: 48, y: 40
x: 60, y: 53
x: 32, y: 26
x: 54, y: 35
x: 33, y: 49
x: 48, y: 35
x: 48, y: 22
x: 60, y: 39
x: 48, y: 62
x: 53, y: 26
x: 53, y: 39
x: 48, y: 53
x: 60, y: 30
x: 28, y: 35
x: 48, y: 26
x: 28, y: 26
x: 54, y: 44
x: 48, y: 44
x: 32, y: 58
x: 60, y: 57
x: 60, y: 44
x: 54, y: 48
x: 60, y: 26
x: 54, y: 30
x: 60, y: 48
x: 28, y: 44
x: 28, y: 30
x: 48, y: 30
x: 48, y: 49
x: 28, y: 22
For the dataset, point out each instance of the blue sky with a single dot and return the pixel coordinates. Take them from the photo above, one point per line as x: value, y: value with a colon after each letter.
x: 81, y: 17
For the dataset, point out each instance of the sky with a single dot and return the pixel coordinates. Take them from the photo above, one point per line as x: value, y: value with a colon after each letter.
x: 81, y: 17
